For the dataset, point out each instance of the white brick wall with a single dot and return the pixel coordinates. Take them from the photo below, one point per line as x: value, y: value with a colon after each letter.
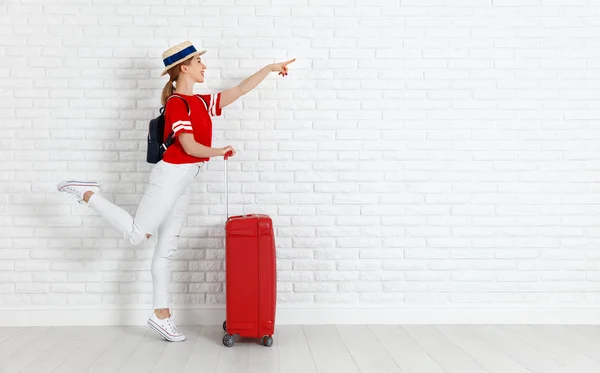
x: 421, y: 154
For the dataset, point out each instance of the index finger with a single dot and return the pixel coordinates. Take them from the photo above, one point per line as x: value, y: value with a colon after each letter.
x: 288, y: 62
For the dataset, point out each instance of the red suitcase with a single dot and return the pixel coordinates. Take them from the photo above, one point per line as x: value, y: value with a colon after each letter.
x: 250, y: 276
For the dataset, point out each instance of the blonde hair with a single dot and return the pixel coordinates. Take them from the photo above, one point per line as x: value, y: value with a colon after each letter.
x: 173, y: 76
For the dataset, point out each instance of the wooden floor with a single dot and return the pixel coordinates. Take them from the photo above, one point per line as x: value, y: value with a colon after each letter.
x: 306, y: 349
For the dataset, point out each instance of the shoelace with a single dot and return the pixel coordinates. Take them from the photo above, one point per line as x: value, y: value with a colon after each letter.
x: 172, y: 326
x: 78, y: 194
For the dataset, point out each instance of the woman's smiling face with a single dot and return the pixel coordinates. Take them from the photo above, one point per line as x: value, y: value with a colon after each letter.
x: 196, y: 69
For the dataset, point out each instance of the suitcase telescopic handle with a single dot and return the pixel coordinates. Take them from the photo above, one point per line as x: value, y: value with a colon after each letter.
x: 225, y: 157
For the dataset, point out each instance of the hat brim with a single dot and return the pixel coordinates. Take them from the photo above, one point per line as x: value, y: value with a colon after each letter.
x: 196, y: 53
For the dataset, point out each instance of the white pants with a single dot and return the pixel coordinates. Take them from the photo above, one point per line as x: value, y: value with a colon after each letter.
x: 163, y: 207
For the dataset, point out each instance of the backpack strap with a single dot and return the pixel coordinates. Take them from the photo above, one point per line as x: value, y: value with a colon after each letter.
x: 182, y: 99
x: 203, y: 101
x: 170, y: 140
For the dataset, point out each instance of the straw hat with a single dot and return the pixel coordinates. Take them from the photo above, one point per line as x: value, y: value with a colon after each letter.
x: 177, y: 54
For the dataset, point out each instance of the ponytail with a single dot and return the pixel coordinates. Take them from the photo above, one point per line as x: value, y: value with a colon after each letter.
x: 167, y: 91
x: 173, y: 76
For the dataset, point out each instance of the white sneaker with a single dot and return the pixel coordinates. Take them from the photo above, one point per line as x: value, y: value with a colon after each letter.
x: 166, y: 328
x: 78, y: 188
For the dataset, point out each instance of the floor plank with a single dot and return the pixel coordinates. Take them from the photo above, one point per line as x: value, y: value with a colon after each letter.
x: 480, y: 350
x: 264, y: 359
x: 146, y: 354
x: 206, y: 350
x: 583, y: 344
x: 17, y: 340
x: 52, y: 358
x: 449, y: 356
x: 294, y: 353
x: 590, y: 331
x: 175, y: 355
x: 29, y: 351
x: 9, y: 331
x: 407, y: 354
x: 111, y: 360
x: 368, y: 353
x: 84, y: 357
x: 523, y: 353
x: 328, y: 350
x: 233, y: 359
x: 561, y: 352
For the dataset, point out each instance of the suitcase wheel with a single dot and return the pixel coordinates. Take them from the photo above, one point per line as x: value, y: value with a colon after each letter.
x: 267, y: 340
x: 225, y: 325
x: 228, y: 340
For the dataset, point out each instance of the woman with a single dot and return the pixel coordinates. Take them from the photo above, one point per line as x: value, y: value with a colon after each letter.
x: 164, y: 204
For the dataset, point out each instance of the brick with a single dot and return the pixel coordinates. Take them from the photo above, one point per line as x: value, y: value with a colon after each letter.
x: 84, y: 299
x: 472, y: 276
x: 8, y: 289
x: 49, y: 277
x: 315, y: 287
x: 294, y: 298
x: 337, y: 276
x: 313, y: 265
x: 206, y: 288
x: 336, y: 298
x: 295, y: 254
x: 381, y: 298
x: 358, y: 265
x: 67, y: 288
x: 335, y: 254
x: 135, y: 287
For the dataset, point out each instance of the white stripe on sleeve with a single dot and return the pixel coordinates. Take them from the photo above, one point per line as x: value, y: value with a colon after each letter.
x: 179, y: 128
x: 213, y: 99
x: 182, y: 124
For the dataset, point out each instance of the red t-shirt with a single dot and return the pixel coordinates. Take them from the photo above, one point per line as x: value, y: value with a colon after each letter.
x: 197, y: 121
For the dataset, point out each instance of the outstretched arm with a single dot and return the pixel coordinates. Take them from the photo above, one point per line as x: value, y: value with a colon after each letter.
x: 230, y: 95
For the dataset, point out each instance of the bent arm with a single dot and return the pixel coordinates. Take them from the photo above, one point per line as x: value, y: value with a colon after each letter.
x: 195, y: 149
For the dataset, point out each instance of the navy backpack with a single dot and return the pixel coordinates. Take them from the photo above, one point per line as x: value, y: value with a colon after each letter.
x: 157, y: 144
